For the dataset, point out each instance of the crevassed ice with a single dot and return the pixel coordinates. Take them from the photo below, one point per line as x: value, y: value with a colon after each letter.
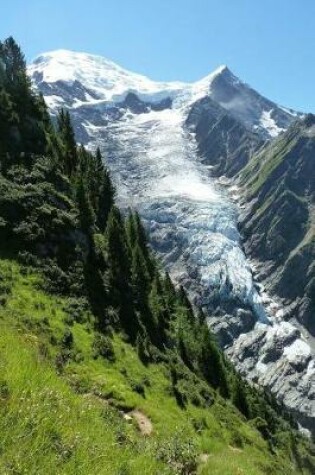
x: 192, y: 222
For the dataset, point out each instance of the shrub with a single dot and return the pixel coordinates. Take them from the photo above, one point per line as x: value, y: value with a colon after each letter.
x: 180, y: 453
x: 138, y: 387
x: 103, y: 346
x: 77, y: 310
x: 67, y: 339
x: 4, y: 390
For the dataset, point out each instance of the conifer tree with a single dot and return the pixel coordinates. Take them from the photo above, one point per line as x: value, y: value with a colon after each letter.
x: 69, y: 147
x: 239, y: 397
x: 211, y: 363
x: 142, y: 239
x: 86, y: 213
x: 139, y: 278
x: 184, y: 301
x: 105, y: 200
x: 169, y: 293
x: 131, y: 231
x: 119, y: 278
x: 158, y: 324
x: 8, y: 119
x: 14, y: 65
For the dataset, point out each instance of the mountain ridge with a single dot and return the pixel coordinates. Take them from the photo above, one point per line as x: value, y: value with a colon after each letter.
x: 279, y: 188
x: 111, y: 83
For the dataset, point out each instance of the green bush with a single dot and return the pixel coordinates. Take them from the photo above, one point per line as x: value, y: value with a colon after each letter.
x: 103, y: 346
x: 179, y: 453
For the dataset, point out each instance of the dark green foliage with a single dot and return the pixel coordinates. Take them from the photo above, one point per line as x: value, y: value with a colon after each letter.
x: 119, y: 272
x: 138, y: 387
x: 4, y: 390
x: 103, y: 346
x: 240, y: 398
x: 68, y: 144
x: 104, y: 192
x: 212, y: 363
x: 86, y: 212
x: 67, y: 340
x: 22, y: 124
x: 179, y: 453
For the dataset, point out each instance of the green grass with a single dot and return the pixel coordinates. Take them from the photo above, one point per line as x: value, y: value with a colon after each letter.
x: 265, y: 162
x: 71, y: 421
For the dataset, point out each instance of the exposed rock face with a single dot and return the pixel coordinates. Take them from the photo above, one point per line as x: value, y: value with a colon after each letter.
x: 249, y: 107
x: 157, y: 139
x: 279, y: 224
x: 224, y: 143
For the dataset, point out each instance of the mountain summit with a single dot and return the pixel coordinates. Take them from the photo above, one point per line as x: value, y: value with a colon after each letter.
x: 94, y: 79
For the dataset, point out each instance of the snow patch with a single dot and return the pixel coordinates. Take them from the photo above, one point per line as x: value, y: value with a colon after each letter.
x: 54, y: 102
x: 268, y: 123
x: 298, y: 349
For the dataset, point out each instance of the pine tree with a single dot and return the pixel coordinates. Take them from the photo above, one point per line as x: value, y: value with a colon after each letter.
x: 131, y: 231
x: 140, y: 279
x: 142, y: 240
x: 96, y: 267
x: 106, y: 199
x: 8, y: 120
x: 28, y: 135
x: 2, y: 71
x: 86, y: 213
x: 184, y: 301
x: 14, y: 64
x: 211, y: 363
x: 69, y: 147
x: 119, y: 276
x: 239, y: 397
x: 170, y: 293
x: 158, y: 324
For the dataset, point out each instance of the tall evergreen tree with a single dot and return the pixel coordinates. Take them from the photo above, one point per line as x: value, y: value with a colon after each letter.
x: 8, y: 120
x: 159, y: 313
x: 170, y: 293
x: 86, y: 213
x: 119, y: 277
x: 14, y: 64
x: 239, y: 397
x: 211, y: 363
x: 105, y: 200
x: 69, y: 147
x: 140, y: 279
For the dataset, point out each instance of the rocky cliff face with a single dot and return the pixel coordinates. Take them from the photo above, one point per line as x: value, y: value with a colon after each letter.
x: 164, y: 144
x: 224, y: 143
x: 278, y: 224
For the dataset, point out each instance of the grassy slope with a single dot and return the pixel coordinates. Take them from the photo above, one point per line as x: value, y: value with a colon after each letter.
x: 70, y: 423
x: 264, y: 163
x: 279, y: 225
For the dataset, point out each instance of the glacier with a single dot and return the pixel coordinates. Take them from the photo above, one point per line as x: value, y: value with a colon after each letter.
x: 192, y: 220
x: 191, y: 217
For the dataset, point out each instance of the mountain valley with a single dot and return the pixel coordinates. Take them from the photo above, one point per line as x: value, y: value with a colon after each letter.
x: 223, y: 180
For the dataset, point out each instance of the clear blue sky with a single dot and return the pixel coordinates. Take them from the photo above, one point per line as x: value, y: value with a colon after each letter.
x: 270, y: 44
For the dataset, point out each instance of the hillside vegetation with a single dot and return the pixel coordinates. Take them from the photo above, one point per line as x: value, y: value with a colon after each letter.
x: 105, y: 366
x: 279, y: 223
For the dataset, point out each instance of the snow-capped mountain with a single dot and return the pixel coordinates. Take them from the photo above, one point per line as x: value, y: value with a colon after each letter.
x: 148, y: 132
x: 102, y: 80
x: 95, y: 81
